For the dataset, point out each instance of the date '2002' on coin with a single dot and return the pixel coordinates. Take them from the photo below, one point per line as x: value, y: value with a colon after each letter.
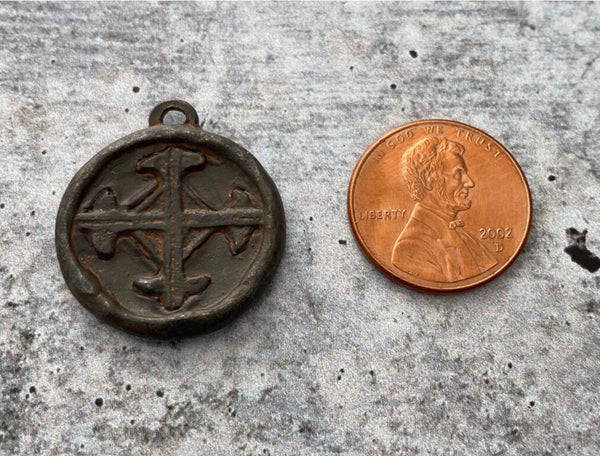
x: 439, y: 206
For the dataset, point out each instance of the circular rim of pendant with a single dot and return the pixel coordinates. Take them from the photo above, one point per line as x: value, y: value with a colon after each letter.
x: 90, y: 292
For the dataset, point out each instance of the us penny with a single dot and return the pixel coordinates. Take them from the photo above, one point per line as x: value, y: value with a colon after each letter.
x: 170, y: 231
x: 439, y: 206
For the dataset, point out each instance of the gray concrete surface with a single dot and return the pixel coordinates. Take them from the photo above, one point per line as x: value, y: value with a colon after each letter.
x: 335, y: 358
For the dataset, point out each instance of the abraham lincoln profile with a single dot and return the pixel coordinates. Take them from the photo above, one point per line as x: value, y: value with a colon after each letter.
x: 434, y: 245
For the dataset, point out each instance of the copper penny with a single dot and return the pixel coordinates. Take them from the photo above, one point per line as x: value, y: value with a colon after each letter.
x: 439, y: 205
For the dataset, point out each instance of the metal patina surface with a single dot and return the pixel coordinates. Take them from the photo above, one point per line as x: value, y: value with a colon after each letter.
x: 171, y: 230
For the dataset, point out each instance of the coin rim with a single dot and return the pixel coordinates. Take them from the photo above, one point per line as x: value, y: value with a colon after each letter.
x: 86, y: 287
x: 363, y: 245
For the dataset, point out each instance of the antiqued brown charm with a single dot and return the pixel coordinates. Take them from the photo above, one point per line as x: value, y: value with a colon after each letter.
x: 439, y: 205
x: 170, y: 231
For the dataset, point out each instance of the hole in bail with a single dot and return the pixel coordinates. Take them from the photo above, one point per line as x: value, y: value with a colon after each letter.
x: 174, y: 117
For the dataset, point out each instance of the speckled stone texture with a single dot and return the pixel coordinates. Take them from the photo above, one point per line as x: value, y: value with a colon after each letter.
x: 334, y: 358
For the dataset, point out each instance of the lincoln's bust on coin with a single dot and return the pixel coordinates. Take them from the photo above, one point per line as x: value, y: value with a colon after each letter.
x: 434, y: 244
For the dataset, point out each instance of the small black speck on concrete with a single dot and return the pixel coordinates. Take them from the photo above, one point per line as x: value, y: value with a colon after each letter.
x: 590, y: 306
x: 160, y: 393
x: 128, y: 387
x: 32, y: 389
x: 393, y: 86
x: 510, y: 365
x: 342, y: 241
x: 44, y: 152
x: 551, y: 178
x: 531, y: 403
x: 579, y: 252
x: 136, y: 89
x: 351, y: 68
x: 2, y: 206
x: 99, y: 402
x: 413, y: 54
x: 309, y: 218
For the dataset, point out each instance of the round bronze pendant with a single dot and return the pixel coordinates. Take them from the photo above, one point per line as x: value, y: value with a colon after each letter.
x: 170, y: 231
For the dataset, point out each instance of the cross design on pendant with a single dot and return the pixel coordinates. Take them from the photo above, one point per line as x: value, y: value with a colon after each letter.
x: 184, y: 230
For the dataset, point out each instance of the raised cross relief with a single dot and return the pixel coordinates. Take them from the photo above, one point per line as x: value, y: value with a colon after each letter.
x: 159, y: 208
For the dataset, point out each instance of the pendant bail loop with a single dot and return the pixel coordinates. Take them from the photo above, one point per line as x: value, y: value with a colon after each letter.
x: 159, y: 112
